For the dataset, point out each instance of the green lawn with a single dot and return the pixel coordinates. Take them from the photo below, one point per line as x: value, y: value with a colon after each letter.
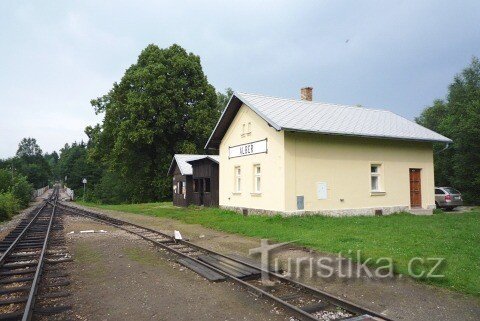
x: 456, y: 237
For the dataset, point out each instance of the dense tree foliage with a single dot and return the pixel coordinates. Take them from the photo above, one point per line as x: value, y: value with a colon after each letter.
x: 15, y: 193
x: 30, y: 162
x: 73, y: 165
x: 163, y: 105
x: 223, y: 98
x: 458, y: 117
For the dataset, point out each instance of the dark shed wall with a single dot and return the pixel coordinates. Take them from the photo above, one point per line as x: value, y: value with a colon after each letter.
x: 206, y: 168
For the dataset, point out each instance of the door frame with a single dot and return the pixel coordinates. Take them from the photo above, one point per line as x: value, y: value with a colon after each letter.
x: 419, y: 171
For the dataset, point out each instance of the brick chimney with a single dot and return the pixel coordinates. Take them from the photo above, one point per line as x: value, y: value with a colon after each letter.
x: 306, y: 93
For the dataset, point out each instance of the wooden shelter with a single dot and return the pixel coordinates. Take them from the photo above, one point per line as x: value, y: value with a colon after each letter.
x: 195, y: 179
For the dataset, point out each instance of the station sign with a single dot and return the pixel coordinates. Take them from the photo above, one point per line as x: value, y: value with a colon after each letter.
x: 252, y: 148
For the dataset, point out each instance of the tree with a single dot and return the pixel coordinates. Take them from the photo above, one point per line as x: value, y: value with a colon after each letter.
x: 163, y: 105
x: 28, y: 147
x: 222, y: 99
x: 30, y: 162
x: 22, y: 190
x: 458, y: 117
x: 74, y: 164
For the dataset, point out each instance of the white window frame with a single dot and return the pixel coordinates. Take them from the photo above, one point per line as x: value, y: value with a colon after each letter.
x: 238, y: 179
x: 257, y: 179
x: 378, y: 175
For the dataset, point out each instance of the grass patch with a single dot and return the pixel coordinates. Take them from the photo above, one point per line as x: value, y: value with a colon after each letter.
x: 144, y: 257
x: 453, y: 236
x: 88, y: 256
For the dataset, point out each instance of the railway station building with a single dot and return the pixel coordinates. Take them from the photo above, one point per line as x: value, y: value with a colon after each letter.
x: 195, y: 179
x: 303, y: 157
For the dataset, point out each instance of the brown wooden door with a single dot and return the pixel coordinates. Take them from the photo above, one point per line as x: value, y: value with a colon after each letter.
x: 415, y: 188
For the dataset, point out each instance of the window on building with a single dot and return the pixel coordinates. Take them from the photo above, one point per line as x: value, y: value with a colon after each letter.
x: 257, y: 178
x: 375, y: 178
x: 184, y: 188
x: 195, y: 186
x: 207, y: 185
x: 238, y: 179
x: 243, y: 129
x: 179, y: 188
x: 249, y: 128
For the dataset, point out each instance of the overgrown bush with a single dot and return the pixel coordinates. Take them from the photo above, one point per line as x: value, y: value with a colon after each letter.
x: 9, y: 205
x: 22, y: 190
x: 5, y: 180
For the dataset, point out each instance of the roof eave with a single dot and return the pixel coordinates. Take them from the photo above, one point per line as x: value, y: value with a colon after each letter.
x: 170, y: 169
x: 446, y: 140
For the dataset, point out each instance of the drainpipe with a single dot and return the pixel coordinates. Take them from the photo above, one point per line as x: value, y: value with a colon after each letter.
x: 446, y: 147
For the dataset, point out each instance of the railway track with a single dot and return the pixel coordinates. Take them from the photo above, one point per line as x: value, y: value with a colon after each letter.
x: 307, y: 303
x: 32, y: 278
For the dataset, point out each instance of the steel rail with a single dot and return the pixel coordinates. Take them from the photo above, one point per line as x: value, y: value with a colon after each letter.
x: 345, y: 304
x: 25, y: 229
x: 28, y: 312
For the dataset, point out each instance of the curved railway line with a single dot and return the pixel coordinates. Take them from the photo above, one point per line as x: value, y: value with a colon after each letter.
x: 32, y: 277
x: 305, y: 302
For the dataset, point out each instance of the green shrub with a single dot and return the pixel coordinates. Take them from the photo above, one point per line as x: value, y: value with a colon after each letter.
x: 9, y: 205
x: 22, y: 190
x: 5, y: 180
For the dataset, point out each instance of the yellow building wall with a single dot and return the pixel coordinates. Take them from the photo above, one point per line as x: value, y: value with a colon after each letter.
x: 344, y: 164
x: 272, y: 165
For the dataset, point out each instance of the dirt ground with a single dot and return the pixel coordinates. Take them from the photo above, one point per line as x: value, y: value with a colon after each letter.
x: 399, y: 298
x: 118, y: 276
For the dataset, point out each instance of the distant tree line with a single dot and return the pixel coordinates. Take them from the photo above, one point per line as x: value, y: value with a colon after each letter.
x: 19, y: 175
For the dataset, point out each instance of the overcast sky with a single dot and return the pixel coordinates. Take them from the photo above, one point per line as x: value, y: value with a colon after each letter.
x: 398, y: 55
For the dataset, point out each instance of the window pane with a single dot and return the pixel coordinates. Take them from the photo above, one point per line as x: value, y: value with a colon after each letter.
x: 451, y: 190
x: 257, y: 168
x: 374, y: 183
x: 258, y: 184
x: 374, y: 169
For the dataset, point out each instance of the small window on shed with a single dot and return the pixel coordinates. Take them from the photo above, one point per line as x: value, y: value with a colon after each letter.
x: 179, y: 188
x: 207, y: 185
x: 195, y: 186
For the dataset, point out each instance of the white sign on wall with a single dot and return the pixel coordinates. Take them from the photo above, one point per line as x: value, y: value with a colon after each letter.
x: 252, y: 148
x: 322, y: 190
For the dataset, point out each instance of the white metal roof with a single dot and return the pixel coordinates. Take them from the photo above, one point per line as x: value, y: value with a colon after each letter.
x: 317, y: 117
x: 183, y: 159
